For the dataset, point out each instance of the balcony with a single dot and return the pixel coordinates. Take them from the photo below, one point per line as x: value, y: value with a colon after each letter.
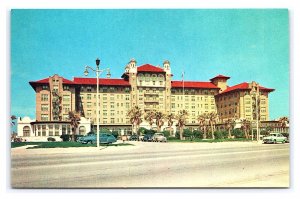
x: 151, y: 93
x: 151, y: 100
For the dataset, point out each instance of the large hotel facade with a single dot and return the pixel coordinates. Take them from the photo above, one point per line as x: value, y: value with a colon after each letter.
x: 150, y: 88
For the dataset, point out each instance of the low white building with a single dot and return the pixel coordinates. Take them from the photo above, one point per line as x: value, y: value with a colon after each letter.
x: 32, y: 130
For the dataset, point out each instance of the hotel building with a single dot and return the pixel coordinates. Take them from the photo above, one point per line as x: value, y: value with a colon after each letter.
x: 150, y: 88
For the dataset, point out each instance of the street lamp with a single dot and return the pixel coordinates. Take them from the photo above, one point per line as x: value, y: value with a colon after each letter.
x: 255, y: 94
x: 98, y: 73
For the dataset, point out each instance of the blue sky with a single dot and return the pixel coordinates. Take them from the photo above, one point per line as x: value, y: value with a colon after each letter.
x: 243, y: 44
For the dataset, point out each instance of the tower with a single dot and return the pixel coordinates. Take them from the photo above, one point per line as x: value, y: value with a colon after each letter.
x: 167, y: 69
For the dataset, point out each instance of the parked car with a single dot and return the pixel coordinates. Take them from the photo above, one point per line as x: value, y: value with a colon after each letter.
x: 148, y: 138
x: 104, y: 138
x: 134, y: 137
x: 275, y: 138
x: 159, y: 137
x: 79, y: 138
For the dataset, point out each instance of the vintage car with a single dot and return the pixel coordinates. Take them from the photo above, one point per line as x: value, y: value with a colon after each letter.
x: 159, y: 137
x: 275, y: 138
x: 104, y: 138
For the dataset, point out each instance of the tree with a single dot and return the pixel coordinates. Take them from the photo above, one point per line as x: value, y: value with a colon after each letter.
x: 149, y: 117
x: 213, y: 118
x: 74, y: 118
x: 159, y: 120
x: 181, y: 118
x: 245, y: 126
x: 283, y: 122
x: 135, y: 117
x: 170, y: 121
x: 13, y: 118
x: 202, y: 123
x: 229, y: 126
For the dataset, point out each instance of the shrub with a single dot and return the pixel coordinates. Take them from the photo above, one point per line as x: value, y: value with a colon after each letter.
x: 219, y: 135
x: 286, y: 134
x: 166, y: 133
x: 65, y: 137
x: 187, y: 133
x: 141, y: 131
x: 198, y: 134
x: 51, y: 139
x: 264, y: 132
x: 238, y: 133
x: 149, y: 131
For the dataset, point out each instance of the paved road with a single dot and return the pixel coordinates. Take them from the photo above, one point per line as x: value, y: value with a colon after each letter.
x: 153, y: 165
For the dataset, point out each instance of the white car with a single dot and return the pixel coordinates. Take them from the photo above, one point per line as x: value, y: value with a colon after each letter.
x: 275, y: 138
x: 159, y: 137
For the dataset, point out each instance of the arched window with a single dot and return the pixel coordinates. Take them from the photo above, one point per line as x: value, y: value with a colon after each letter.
x: 154, y: 77
x: 82, y: 130
x: 161, y: 77
x: 141, y: 76
x: 26, y: 131
x: 147, y: 77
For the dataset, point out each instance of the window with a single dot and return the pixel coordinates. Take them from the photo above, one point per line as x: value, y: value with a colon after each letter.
x: 82, y: 130
x: 66, y: 98
x: 89, y: 104
x: 56, y: 130
x: 89, y: 96
x: 89, y: 88
x: 45, y: 97
x: 147, y: 77
x: 66, y: 108
x: 43, y: 130
x: 65, y: 117
x: 50, y: 130
x: 26, y: 131
x: 55, y: 88
x: 44, y: 117
x: 44, y: 107
x: 66, y: 88
x: 45, y: 87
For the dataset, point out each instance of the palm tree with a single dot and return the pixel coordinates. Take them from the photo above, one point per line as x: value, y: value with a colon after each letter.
x: 135, y: 117
x: 12, y: 118
x: 181, y: 118
x: 283, y: 122
x: 170, y: 119
x: 74, y: 118
x: 229, y: 125
x: 202, y: 124
x: 246, y: 125
x: 213, y: 118
x: 159, y: 120
x: 149, y: 117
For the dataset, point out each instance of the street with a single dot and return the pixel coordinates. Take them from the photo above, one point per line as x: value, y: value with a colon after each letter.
x: 228, y: 164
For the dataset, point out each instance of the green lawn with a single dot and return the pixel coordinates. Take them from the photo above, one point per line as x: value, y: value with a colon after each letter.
x: 211, y: 140
x: 60, y: 144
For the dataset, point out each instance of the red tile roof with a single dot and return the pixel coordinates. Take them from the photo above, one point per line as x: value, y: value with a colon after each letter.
x: 244, y: 86
x: 149, y: 68
x: 220, y: 77
x: 189, y: 84
x: 102, y: 81
x: 46, y: 80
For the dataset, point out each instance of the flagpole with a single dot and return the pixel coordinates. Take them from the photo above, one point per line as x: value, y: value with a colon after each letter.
x: 183, y: 86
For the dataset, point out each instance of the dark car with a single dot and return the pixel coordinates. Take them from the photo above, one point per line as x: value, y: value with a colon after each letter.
x: 104, y: 138
x: 148, y: 138
x: 134, y: 138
